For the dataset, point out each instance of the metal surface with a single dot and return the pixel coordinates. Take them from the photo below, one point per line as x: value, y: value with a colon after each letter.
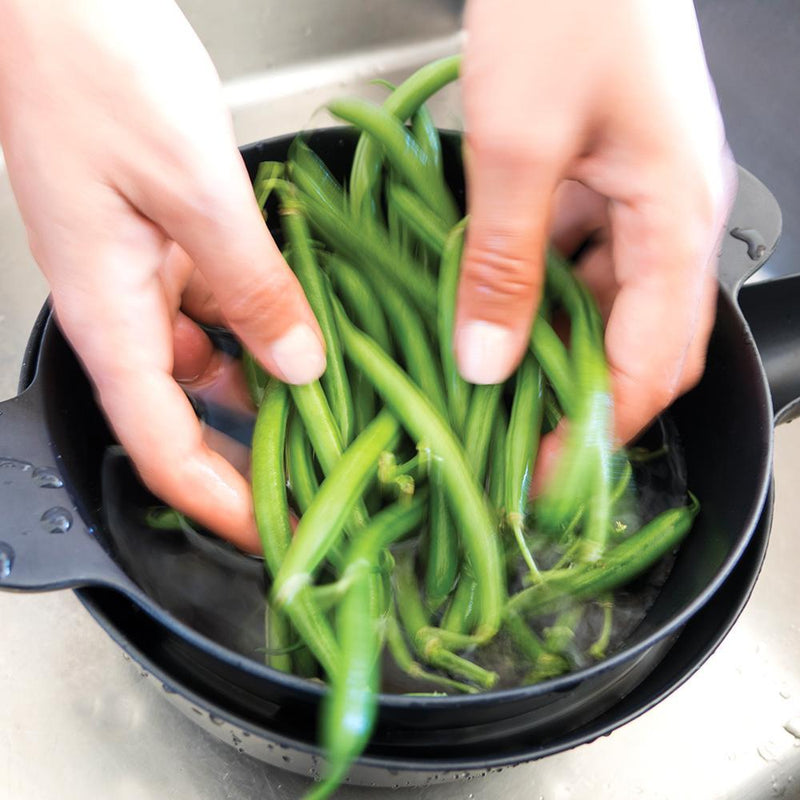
x: 77, y: 720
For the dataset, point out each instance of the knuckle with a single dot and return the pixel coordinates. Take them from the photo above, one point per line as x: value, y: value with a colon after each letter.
x: 497, y: 269
x: 496, y: 142
x: 264, y: 300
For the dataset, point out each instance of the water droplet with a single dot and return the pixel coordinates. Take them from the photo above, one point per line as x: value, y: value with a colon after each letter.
x: 240, y: 749
x: 144, y: 674
x: 235, y: 740
x: 793, y: 727
x: 286, y: 759
x: 126, y: 656
x: 47, y: 478
x: 56, y: 520
x: 245, y: 733
x: 15, y: 463
x: 6, y: 559
x: 218, y: 721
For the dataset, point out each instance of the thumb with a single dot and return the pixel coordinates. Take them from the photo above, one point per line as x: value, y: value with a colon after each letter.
x: 502, y: 270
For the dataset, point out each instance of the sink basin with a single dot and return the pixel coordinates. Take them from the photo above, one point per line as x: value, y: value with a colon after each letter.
x: 280, y: 62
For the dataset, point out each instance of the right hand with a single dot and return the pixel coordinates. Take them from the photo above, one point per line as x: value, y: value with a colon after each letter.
x: 586, y: 117
x: 140, y: 213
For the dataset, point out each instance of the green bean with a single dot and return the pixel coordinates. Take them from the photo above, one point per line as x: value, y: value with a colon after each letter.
x: 360, y: 300
x: 164, y: 518
x: 424, y: 639
x: 399, y: 234
x: 349, y: 708
x: 272, y: 516
x: 324, y: 434
x: 363, y: 402
x: 370, y: 250
x: 598, y: 648
x: 458, y: 390
x: 560, y: 635
x: 412, y: 341
x: 554, y: 361
x: 278, y: 634
x: 619, y: 564
x: 348, y: 711
x: 255, y: 376
x: 302, y: 476
x: 497, y: 462
x: 480, y: 419
x: 442, y: 565
x: 426, y: 134
x: 401, y: 150
x: 299, y: 465
x: 386, y: 527
x: 545, y: 664
x: 522, y: 444
x: 465, y: 497
x: 269, y: 437
x: 582, y: 476
x: 267, y: 176
x: 622, y: 483
x: 325, y: 518
x: 305, y: 266
x: 405, y: 661
x: 419, y: 220
x: 402, y: 103
x: 309, y: 173
x: 461, y: 612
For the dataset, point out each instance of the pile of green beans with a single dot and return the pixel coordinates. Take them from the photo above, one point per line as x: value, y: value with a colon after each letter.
x: 417, y: 538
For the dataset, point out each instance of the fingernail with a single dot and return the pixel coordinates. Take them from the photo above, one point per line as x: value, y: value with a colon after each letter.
x: 484, y: 352
x: 298, y: 355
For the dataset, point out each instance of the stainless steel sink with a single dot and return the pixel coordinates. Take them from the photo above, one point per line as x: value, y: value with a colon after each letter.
x: 78, y: 721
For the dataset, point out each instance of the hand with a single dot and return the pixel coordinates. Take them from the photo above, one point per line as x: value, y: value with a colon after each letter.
x: 141, y: 215
x: 586, y: 118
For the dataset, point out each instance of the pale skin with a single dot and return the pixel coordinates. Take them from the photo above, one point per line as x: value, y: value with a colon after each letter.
x: 139, y: 212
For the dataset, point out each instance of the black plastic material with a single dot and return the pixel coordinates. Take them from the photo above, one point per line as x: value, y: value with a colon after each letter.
x: 144, y: 640
x: 773, y: 311
x: 725, y: 425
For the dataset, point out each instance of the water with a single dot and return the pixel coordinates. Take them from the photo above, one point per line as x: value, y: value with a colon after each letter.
x: 6, y: 559
x: 56, y: 520
x: 220, y: 592
x: 47, y: 478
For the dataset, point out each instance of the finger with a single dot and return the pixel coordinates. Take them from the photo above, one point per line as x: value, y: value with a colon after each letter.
x: 578, y: 214
x: 695, y: 364
x: 130, y: 366
x: 203, y: 199
x: 661, y: 308
x: 596, y: 269
x: 502, y: 267
x: 194, y: 358
x: 205, y: 372
x: 199, y: 302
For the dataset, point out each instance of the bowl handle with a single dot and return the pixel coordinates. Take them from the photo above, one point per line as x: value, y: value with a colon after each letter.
x: 44, y: 541
x: 771, y: 308
x: 751, y: 234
